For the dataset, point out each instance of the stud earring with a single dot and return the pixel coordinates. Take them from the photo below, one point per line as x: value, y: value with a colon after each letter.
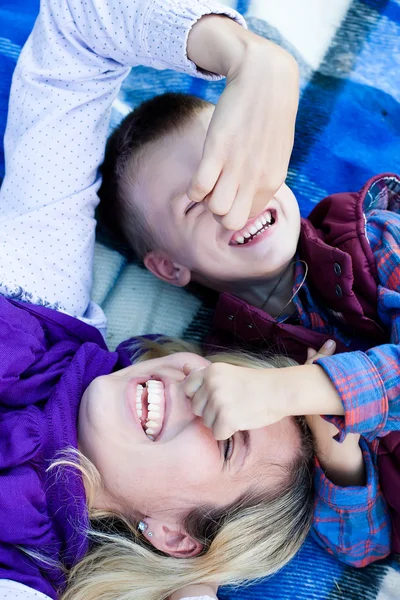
x: 142, y: 527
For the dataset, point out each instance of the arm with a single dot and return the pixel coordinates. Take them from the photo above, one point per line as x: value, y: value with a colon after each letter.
x: 362, y: 531
x: 352, y: 523
x: 368, y: 384
x: 66, y: 79
x: 350, y: 516
x: 248, y: 145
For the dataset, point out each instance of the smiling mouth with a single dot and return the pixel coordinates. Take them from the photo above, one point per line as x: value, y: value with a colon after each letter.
x: 254, y: 228
x: 150, y: 407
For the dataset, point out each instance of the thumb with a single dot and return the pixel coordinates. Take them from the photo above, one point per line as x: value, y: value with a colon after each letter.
x: 194, y: 379
x: 187, y: 368
x: 310, y: 353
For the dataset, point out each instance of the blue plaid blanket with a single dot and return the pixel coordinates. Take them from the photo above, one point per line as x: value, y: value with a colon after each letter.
x: 348, y: 129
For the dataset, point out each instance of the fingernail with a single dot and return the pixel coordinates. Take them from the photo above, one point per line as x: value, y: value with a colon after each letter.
x: 329, y: 344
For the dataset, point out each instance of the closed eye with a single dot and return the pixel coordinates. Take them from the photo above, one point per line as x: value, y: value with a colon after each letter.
x: 190, y: 206
x: 228, y: 448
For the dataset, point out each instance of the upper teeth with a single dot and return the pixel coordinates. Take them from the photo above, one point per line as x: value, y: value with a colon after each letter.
x: 255, y: 229
x: 155, y: 402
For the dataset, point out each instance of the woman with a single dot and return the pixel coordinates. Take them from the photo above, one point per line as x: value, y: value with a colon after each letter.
x: 55, y: 369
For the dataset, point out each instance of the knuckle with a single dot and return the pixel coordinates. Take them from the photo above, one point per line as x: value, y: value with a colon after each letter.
x: 199, y: 188
x: 218, y: 206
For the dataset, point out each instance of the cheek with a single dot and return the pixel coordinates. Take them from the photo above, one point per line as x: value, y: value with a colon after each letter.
x: 183, y: 465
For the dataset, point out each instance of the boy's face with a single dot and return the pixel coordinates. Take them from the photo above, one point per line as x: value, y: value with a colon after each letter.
x: 194, y: 244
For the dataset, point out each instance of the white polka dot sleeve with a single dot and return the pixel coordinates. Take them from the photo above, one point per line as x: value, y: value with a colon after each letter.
x: 12, y: 590
x: 66, y: 79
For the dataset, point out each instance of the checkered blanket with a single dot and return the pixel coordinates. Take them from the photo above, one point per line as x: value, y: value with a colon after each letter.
x: 348, y: 129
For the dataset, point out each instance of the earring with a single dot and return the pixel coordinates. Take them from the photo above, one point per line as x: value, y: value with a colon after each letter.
x: 142, y: 527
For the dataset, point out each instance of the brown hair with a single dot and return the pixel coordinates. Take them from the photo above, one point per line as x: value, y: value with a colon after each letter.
x: 119, y: 213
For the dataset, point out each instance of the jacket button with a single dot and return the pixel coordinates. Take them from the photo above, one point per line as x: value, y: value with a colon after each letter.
x: 230, y: 317
x: 337, y: 268
x: 338, y: 290
x: 250, y: 326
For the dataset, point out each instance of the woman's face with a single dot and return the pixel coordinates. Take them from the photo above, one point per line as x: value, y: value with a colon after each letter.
x: 184, y: 466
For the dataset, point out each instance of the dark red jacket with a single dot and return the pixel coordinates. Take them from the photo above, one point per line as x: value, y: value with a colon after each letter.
x: 342, y: 277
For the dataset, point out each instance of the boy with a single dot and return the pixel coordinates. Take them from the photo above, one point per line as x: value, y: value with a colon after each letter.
x: 286, y: 284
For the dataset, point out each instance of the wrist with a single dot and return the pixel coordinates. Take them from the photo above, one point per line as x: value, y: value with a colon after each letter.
x: 219, y: 45
x: 309, y: 391
x: 215, y: 43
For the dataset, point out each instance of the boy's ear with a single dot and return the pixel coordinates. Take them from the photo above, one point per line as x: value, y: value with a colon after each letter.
x: 163, y: 268
x: 170, y: 539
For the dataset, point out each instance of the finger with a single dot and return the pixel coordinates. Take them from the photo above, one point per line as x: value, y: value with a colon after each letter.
x: 220, y: 429
x: 310, y: 353
x: 222, y: 197
x: 199, y: 402
x: 326, y: 350
x: 193, y: 382
x: 261, y: 199
x: 238, y: 216
x: 209, y: 415
x: 206, y: 176
x: 188, y: 368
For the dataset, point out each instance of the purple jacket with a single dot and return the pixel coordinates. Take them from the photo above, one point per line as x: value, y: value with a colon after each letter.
x: 47, y: 360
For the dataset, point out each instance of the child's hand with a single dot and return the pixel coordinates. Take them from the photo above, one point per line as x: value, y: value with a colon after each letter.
x: 231, y: 398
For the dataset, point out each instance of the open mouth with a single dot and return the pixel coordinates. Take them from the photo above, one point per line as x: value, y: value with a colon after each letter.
x: 254, y: 228
x: 150, y: 407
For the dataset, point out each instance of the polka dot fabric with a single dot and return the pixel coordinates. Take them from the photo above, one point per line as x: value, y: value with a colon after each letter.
x: 11, y: 590
x: 66, y: 79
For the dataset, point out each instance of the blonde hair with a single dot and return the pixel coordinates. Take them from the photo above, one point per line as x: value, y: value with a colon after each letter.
x: 252, y: 538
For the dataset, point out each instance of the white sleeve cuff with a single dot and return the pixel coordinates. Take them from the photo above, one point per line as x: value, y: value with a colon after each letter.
x: 165, y: 32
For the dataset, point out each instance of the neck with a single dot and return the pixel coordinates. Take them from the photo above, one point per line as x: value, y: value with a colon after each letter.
x: 273, y: 295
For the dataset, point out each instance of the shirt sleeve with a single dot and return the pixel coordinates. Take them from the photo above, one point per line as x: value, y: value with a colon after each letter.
x: 17, y: 591
x: 66, y: 79
x: 12, y: 590
x: 352, y: 523
x: 368, y: 383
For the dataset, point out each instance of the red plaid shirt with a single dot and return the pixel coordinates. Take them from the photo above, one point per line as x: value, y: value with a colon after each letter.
x: 353, y: 522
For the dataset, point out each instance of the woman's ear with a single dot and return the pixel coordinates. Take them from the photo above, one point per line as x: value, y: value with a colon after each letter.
x: 170, y: 539
x: 163, y: 268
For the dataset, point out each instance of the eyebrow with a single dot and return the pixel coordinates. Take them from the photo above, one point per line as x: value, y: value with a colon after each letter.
x: 247, y: 447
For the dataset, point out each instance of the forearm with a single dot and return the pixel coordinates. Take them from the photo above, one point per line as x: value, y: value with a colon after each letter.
x: 368, y: 383
x: 306, y: 390
x: 343, y: 463
x: 352, y: 522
